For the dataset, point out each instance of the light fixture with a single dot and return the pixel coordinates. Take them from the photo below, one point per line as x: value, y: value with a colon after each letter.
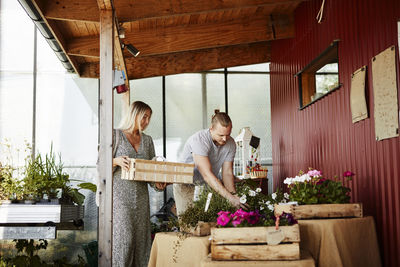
x: 133, y: 50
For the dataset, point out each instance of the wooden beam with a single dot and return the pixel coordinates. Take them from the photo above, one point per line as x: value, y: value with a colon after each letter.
x: 87, y: 10
x: 196, y: 36
x: 57, y: 35
x: 104, y: 4
x: 192, y: 61
x: 128, y: 11
x: 106, y: 126
x: 75, y: 10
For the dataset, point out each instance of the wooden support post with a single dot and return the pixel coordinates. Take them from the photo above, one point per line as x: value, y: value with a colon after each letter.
x: 106, y: 125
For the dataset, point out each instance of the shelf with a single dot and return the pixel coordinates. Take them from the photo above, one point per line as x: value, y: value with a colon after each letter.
x: 27, y: 213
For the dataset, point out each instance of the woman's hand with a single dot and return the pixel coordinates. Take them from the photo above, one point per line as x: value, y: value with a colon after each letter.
x: 123, y: 162
x: 160, y: 186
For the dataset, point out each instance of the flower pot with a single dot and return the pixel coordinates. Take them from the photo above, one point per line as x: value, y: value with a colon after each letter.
x: 54, y: 201
x: 43, y: 201
x: 29, y: 201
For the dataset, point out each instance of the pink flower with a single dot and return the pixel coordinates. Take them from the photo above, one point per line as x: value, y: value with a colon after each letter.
x: 241, y: 213
x: 320, y: 181
x: 238, y: 217
x: 223, y: 218
x: 348, y: 174
x: 253, y: 217
x: 236, y: 221
x: 224, y: 213
x: 314, y: 173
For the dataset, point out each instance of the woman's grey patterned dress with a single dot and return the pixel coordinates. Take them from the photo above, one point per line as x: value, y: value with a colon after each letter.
x: 131, y: 211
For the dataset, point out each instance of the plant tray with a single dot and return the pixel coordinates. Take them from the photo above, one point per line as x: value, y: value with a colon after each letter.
x: 250, y: 243
x: 159, y: 171
x: 259, y: 174
x: 27, y: 213
x: 321, y: 210
x: 201, y: 229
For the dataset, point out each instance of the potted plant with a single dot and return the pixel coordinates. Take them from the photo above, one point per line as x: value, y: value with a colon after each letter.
x: 315, y: 196
x: 10, y: 186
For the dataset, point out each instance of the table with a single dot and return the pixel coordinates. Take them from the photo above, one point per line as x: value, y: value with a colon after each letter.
x: 305, y: 261
x: 330, y: 242
x: 190, y: 251
x: 341, y: 242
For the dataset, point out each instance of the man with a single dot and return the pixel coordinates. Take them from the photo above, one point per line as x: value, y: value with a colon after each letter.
x: 210, y: 150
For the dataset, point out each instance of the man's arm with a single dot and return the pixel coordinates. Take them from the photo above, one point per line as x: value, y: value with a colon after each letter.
x: 228, y: 177
x: 204, y: 166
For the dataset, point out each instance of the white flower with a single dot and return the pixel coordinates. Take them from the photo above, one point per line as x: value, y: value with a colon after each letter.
x: 261, y: 207
x: 288, y: 181
x: 252, y: 193
x: 271, y: 207
x: 273, y: 195
x: 258, y: 190
x: 267, y: 202
x: 286, y: 195
x: 243, y: 199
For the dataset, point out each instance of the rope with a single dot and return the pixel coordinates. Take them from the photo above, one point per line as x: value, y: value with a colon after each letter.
x: 320, y: 12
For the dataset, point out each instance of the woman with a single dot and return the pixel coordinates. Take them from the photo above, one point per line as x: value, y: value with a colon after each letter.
x: 131, y: 213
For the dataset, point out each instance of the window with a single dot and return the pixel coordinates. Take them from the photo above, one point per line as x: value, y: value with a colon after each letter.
x: 319, y: 77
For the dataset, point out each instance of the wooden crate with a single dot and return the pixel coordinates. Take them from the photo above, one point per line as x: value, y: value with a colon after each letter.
x: 159, y: 171
x: 321, y: 210
x: 201, y: 229
x: 250, y: 243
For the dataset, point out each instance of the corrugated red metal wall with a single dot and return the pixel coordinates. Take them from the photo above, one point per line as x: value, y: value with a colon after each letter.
x: 323, y: 135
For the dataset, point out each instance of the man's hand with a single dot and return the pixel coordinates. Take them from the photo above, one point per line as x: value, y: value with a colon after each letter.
x: 123, y: 161
x: 235, y: 201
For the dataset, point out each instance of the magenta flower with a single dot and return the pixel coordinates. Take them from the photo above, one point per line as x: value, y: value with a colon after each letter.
x: 224, y: 213
x: 236, y: 221
x: 320, y: 181
x: 238, y: 217
x: 223, y: 218
x: 314, y: 173
x: 348, y: 174
x: 241, y: 213
x: 253, y: 217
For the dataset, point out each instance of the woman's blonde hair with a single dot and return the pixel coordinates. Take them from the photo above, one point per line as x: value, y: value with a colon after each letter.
x: 136, y: 110
x: 222, y: 118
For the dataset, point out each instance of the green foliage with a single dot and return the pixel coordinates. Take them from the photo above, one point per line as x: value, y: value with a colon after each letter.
x: 72, y: 195
x: 306, y: 189
x: 10, y: 186
x: 27, y: 256
x: 48, y: 177
x: 247, y: 189
x: 333, y: 192
x: 44, y: 176
x: 88, y: 186
x: 196, y: 213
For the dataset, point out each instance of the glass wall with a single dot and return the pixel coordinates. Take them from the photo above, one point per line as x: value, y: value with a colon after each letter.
x: 16, y: 77
x: 66, y: 113
x: 65, y: 117
x: 150, y: 91
x: 183, y: 111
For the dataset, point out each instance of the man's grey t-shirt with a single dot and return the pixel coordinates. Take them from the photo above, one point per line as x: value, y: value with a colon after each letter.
x: 202, y: 144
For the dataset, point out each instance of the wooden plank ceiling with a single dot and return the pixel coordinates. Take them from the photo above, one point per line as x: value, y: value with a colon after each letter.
x: 173, y: 36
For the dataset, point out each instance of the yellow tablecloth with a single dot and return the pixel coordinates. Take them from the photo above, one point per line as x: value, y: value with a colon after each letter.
x: 341, y: 242
x: 189, y: 252
x: 305, y: 261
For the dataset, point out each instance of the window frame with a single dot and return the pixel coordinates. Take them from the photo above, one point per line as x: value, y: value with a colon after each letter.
x: 307, y: 75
